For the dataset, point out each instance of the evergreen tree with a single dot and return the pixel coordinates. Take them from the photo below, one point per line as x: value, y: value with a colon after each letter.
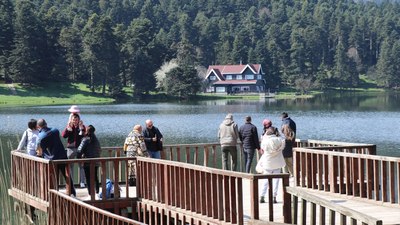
x: 28, y: 56
x: 6, y: 37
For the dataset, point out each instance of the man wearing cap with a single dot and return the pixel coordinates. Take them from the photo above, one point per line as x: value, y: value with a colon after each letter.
x: 249, y: 137
x: 51, y: 148
x: 228, y: 134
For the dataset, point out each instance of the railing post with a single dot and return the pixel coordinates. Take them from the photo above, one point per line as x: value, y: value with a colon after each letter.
x: 254, y: 210
x: 331, y: 173
x: 287, y: 202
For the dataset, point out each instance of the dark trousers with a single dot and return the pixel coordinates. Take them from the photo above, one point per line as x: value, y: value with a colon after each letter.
x: 61, y: 168
x: 86, y: 167
x: 248, y: 159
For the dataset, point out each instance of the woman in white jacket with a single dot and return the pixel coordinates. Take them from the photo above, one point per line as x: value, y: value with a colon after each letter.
x: 29, y: 138
x: 272, y: 160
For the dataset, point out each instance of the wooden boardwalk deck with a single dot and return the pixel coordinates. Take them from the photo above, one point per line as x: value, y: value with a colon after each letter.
x: 389, y: 214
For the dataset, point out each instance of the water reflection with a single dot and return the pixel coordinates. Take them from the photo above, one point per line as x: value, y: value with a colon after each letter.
x: 371, y: 118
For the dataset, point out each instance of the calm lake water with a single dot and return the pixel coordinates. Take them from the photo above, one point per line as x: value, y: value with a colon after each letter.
x: 350, y: 117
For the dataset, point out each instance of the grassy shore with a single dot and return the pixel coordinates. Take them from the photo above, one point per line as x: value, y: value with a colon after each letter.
x: 52, y: 94
x: 78, y: 93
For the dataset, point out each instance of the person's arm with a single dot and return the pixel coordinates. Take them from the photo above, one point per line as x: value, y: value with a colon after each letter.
x: 83, y: 146
x: 23, y: 141
x: 256, y: 140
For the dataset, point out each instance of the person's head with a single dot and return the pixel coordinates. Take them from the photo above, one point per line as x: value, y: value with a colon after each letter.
x: 137, y: 128
x: 32, y: 124
x: 41, y: 123
x: 248, y: 119
x: 272, y: 131
x: 75, y: 119
x: 284, y: 115
x: 229, y: 116
x: 90, y: 130
x: 267, y: 123
x: 149, y: 124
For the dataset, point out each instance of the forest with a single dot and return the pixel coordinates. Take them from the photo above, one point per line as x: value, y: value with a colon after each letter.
x: 166, y: 45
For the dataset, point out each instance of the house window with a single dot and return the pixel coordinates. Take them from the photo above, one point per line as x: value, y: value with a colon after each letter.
x: 249, y: 77
x: 239, y: 77
x: 229, y: 77
x: 258, y: 77
x: 220, y: 89
x: 212, y: 77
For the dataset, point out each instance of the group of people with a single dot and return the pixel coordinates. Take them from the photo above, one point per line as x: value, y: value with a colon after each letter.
x: 146, y: 142
x: 276, y: 147
x: 43, y: 141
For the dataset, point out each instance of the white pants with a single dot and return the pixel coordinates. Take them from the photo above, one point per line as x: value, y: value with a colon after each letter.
x: 274, y: 181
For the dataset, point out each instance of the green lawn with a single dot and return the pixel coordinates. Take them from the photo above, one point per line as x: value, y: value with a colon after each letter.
x: 52, y: 94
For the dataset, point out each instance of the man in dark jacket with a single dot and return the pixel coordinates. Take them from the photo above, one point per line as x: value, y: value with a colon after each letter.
x: 289, y: 131
x: 52, y: 148
x: 249, y: 137
x: 153, y: 139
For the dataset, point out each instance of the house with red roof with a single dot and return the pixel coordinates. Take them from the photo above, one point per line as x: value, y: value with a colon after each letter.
x: 231, y: 79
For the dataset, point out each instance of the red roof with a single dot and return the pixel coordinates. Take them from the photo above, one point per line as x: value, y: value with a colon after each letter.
x: 221, y: 70
x: 236, y: 82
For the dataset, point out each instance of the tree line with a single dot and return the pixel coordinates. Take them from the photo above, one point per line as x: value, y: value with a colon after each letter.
x: 112, y: 44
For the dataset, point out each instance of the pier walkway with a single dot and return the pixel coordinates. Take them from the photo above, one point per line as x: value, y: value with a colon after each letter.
x: 334, y: 183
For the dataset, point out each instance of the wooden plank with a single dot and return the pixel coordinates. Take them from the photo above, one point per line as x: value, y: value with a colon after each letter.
x: 392, y: 190
x: 384, y: 181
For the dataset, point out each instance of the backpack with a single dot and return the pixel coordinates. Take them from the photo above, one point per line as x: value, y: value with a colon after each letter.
x: 109, y: 189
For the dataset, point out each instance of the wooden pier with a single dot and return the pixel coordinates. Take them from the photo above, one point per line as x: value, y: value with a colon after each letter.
x: 334, y: 183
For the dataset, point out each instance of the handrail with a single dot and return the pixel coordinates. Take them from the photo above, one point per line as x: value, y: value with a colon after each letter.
x: 207, y: 191
x: 324, y: 204
x: 67, y: 210
x: 359, y: 175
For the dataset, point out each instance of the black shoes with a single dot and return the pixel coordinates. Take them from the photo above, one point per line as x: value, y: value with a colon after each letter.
x: 262, y: 200
x: 132, y: 181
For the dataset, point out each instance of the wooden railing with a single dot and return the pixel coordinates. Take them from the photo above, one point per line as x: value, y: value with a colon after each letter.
x: 369, y: 149
x: 203, y: 192
x: 365, y: 176
x: 325, y: 206
x: 66, y: 210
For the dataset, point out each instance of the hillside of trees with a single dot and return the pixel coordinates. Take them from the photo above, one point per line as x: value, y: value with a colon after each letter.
x: 112, y: 44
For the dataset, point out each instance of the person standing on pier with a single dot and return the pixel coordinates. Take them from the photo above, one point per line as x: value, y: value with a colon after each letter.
x: 29, y: 138
x: 51, y: 148
x: 288, y: 129
x: 153, y: 139
x: 228, y: 135
x: 134, y: 146
x: 90, y: 148
x: 272, y: 161
x: 74, y: 133
x: 249, y: 137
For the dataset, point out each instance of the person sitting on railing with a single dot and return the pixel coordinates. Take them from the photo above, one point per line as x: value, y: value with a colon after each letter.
x: 134, y: 146
x: 50, y: 147
x: 272, y: 160
x: 29, y: 138
x: 90, y: 148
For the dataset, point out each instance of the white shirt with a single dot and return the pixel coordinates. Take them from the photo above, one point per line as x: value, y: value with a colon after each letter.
x: 29, y: 140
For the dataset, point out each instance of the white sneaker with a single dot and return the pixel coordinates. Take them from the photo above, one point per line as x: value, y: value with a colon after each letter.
x: 83, y: 185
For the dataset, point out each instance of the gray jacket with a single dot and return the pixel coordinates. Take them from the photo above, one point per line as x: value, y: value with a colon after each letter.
x: 228, y: 133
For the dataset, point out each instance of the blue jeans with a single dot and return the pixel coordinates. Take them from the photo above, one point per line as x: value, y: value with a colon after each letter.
x: 248, y: 159
x: 154, y: 154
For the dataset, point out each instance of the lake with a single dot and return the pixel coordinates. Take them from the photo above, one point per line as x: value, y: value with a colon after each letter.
x: 351, y: 117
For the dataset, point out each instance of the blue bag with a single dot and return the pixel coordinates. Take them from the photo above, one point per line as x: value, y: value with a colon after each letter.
x: 109, y: 189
